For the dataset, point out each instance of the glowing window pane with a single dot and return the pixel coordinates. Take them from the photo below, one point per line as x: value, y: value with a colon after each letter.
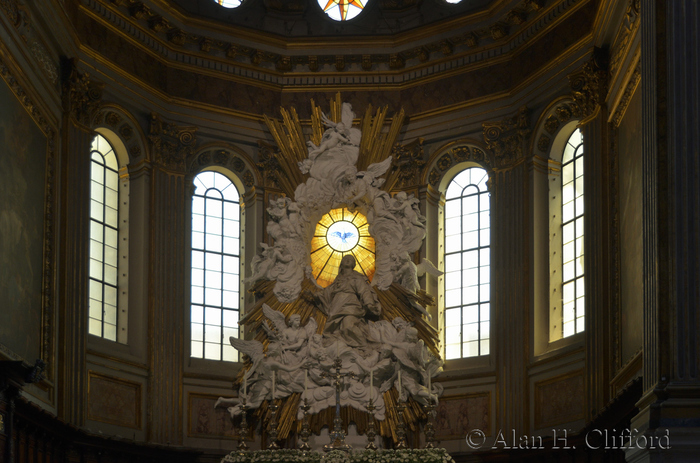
x: 342, y: 10
x: 338, y: 233
x: 104, y: 220
x: 215, y: 264
x: 572, y: 231
x: 229, y: 4
x: 467, y: 289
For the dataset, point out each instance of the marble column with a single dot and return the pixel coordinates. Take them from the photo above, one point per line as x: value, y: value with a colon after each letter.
x: 670, y: 405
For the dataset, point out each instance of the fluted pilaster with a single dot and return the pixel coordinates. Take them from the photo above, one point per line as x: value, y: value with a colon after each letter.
x: 510, y: 307
x: 81, y: 97
x: 170, y: 146
x: 671, y: 229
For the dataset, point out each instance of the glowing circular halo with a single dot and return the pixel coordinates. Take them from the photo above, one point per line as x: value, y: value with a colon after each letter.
x: 342, y: 236
x: 338, y: 233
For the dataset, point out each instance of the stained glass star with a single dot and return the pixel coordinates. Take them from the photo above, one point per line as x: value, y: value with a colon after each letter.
x: 343, y: 7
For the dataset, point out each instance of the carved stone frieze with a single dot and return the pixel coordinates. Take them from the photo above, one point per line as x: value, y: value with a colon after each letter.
x: 508, y: 138
x: 456, y: 155
x: 81, y: 95
x: 171, y: 144
x: 589, y: 85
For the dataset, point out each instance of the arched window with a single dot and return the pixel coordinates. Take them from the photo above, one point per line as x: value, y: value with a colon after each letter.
x: 467, y: 265
x: 572, y: 290
x: 215, y: 290
x: 103, y: 314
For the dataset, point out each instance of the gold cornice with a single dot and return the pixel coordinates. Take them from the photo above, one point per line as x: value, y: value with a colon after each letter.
x: 342, y: 43
x: 290, y: 43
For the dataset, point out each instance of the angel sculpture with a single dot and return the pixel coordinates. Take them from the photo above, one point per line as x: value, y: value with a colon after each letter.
x: 258, y: 378
x: 406, y: 272
x: 288, y: 340
x: 339, y: 148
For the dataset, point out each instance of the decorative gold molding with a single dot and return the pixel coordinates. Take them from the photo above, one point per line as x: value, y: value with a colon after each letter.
x: 625, y: 34
x: 171, y: 144
x: 227, y: 157
x: 81, y: 95
x: 589, y: 84
x: 508, y: 138
x: 407, y: 165
x: 630, y: 88
x: 179, y: 32
x: 451, y: 155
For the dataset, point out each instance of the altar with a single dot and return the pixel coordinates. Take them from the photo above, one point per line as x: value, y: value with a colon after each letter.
x: 340, y: 320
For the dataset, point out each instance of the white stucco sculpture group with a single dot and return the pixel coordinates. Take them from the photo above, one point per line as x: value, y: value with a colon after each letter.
x: 395, y: 223
x: 376, y: 354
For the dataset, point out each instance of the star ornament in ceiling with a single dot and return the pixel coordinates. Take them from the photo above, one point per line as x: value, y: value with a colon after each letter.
x: 342, y: 10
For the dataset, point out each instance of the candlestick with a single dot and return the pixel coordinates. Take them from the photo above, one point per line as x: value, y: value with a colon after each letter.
x: 371, y: 434
x: 401, y: 425
x: 429, y: 428
x: 305, y: 431
x: 243, y: 432
x: 399, y: 384
x: 245, y: 384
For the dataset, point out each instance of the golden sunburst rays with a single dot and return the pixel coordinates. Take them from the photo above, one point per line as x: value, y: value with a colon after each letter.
x: 343, y: 8
x: 338, y: 233
x: 376, y: 146
x: 290, y: 139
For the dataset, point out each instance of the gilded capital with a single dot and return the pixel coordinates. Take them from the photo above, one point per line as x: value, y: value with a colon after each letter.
x: 171, y: 144
x: 589, y: 84
x: 509, y: 137
x: 81, y: 95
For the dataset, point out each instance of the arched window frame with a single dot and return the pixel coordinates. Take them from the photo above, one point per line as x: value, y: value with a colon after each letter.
x: 482, y: 317
x: 102, y: 323
x: 200, y: 314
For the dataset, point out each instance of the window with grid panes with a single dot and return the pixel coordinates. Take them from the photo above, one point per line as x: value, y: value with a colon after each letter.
x: 215, y: 285
x: 467, y: 265
x: 573, y: 295
x: 104, y: 240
